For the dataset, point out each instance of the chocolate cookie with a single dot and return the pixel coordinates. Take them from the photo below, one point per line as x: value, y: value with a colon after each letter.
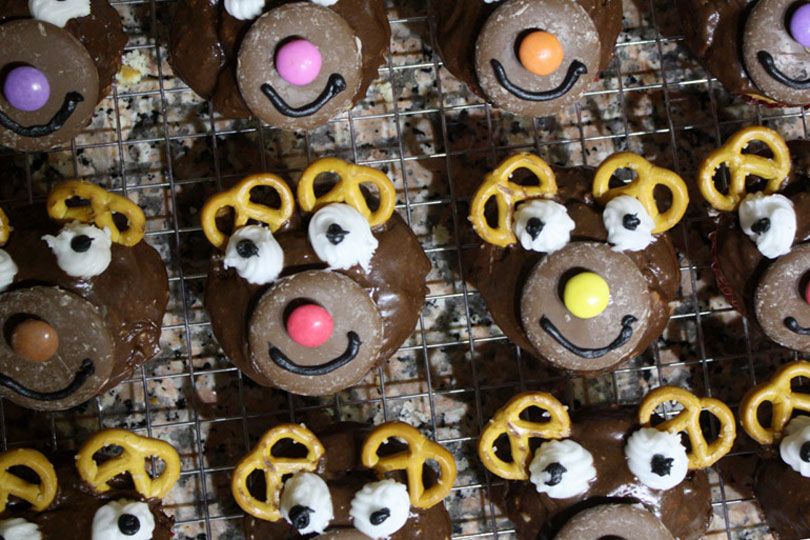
x: 530, y: 57
x: 310, y: 301
x: 582, y: 280
x: 292, y: 64
x: 57, y: 61
x: 82, y: 302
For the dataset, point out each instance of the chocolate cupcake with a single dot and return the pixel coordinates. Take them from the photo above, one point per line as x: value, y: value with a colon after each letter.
x: 82, y: 297
x: 292, y: 64
x: 80, y: 497
x: 57, y: 62
x: 310, y: 301
x: 582, y: 280
x: 607, y: 455
x: 530, y: 57
x: 350, y: 484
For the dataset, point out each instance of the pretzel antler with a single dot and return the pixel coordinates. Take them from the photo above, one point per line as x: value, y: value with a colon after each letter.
x: 39, y: 495
x: 5, y: 228
x: 783, y: 401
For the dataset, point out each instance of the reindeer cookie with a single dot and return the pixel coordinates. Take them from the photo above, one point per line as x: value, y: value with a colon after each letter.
x: 580, y: 279
x: 309, y: 301
x: 350, y: 484
x: 116, y: 499
x: 588, y: 471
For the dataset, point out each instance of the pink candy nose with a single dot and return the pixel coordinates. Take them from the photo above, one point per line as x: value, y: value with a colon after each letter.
x: 310, y: 325
x: 298, y: 62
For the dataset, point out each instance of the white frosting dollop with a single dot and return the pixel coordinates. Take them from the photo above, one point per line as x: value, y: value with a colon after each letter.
x: 657, y: 458
x: 797, y: 434
x: 109, y: 525
x: 255, y: 254
x: 561, y: 469
x: 58, y: 12
x: 386, y: 502
x: 310, y: 494
x: 342, y: 237
x: 543, y: 226
x: 244, y: 10
x: 84, y: 264
x: 774, y: 219
x: 8, y: 269
x: 628, y: 224
x: 325, y: 2
x: 19, y: 529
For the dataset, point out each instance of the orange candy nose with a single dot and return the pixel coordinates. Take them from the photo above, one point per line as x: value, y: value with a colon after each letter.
x: 541, y: 53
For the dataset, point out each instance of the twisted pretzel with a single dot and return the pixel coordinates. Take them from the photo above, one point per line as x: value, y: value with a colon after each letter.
x: 412, y: 460
x: 643, y: 188
x: 347, y: 190
x: 703, y: 454
x: 132, y: 460
x: 238, y: 198
x: 275, y: 468
x: 740, y: 165
x: 507, y: 194
x: 5, y: 228
x: 507, y: 421
x: 103, y: 205
x: 783, y: 401
x: 39, y: 495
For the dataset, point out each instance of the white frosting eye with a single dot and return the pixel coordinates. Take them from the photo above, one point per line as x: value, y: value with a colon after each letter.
x: 628, y: 224
x: 657, y: 458
x: 19, y: 529
x: 543, y: 226
x: 255, y: 254
x: 769, y: 221
x: 123, y: 520
x: 325, y: 2
x: 341, y: 237
x: 380, y: 509
x: 306, y: 503
x: 244, y: 10
x: 58, y: 12
x: 81, y: 250
x: 562, y: 469
x: 795, y: 445
x: 8, y: 269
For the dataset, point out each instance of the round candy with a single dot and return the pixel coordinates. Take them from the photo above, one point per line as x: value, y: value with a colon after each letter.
x: 586, y: 295
x: 35, y: 340
x: 298, y: 62
x: 310, y: 325
x: 26, y: 88
x: 541, y: 53
x: 800, y: 25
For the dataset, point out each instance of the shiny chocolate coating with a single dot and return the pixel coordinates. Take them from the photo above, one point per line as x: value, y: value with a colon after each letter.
x: 784, y: 496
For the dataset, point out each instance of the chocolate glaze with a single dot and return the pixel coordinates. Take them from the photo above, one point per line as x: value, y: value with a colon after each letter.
x: 784, y: 496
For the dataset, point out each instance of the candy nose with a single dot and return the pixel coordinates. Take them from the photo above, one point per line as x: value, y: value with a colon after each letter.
x: 299, y: 62
x: 26, y: 88
x: 310, y: 325
x: 541, y: 53
x: 35, y: 340
x: 586, y: 295
x: 800, y: 25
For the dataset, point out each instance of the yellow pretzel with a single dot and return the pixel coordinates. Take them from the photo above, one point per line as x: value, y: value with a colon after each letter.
x: 39, y: 495
x: 703, y: 454
x: 238, y: 198
x: 507, y: 194
x: 412, y: 460
x: 103, y: 205
x: 347, y: 190
x: 643, y: 188
x: 740, y: 165
x: 136, y: 450
x: 5, y: 228
x: 783, y: 401
x: 274, y: 468
x: 507, y: 422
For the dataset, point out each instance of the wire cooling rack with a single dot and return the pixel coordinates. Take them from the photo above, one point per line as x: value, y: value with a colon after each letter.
x: 159, y: 144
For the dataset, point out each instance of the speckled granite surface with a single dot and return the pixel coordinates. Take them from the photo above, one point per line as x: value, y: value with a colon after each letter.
x: 158, y: 142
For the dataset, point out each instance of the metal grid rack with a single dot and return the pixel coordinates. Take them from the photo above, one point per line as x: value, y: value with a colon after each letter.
x: 157, y: 143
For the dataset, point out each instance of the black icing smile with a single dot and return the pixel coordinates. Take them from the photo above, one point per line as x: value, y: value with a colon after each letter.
x: 352, y: 349
x: 770, y: 68
x: 72, y: 99
x: 85, y: 371
x: 575, y: 71
x: 623, y: 337
x: 793, y: 325
x: 334, y: 86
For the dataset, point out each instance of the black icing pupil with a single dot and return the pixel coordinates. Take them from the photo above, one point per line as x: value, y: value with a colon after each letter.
x: 804, y: 452
x: 80, y: 243
x: 128, y: 524
x: 631, y: 222
x: 534, y: 227
x: 335, y: 234
x: 661, y: 465
x: 247, y: 249
x: 379, y: 516
x: 299, y: 516
x: 761, y: 226
x: 556, y: 471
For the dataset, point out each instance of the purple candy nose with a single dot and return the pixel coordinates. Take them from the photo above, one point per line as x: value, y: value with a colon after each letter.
x: 26, y: 88
x: 800, y: 25
x: 298, y: 62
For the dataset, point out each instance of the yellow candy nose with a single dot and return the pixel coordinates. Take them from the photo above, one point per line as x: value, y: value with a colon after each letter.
x: 586, y: 295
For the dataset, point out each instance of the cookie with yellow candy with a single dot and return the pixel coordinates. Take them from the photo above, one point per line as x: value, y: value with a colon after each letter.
x: 574, y: 264
x: 311, y: 287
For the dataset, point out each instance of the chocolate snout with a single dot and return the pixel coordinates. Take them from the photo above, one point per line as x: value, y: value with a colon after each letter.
x: 342, y: 534
x: 780, y: 299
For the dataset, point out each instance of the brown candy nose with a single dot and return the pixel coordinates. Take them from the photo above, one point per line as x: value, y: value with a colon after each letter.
x: 35, y: 340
